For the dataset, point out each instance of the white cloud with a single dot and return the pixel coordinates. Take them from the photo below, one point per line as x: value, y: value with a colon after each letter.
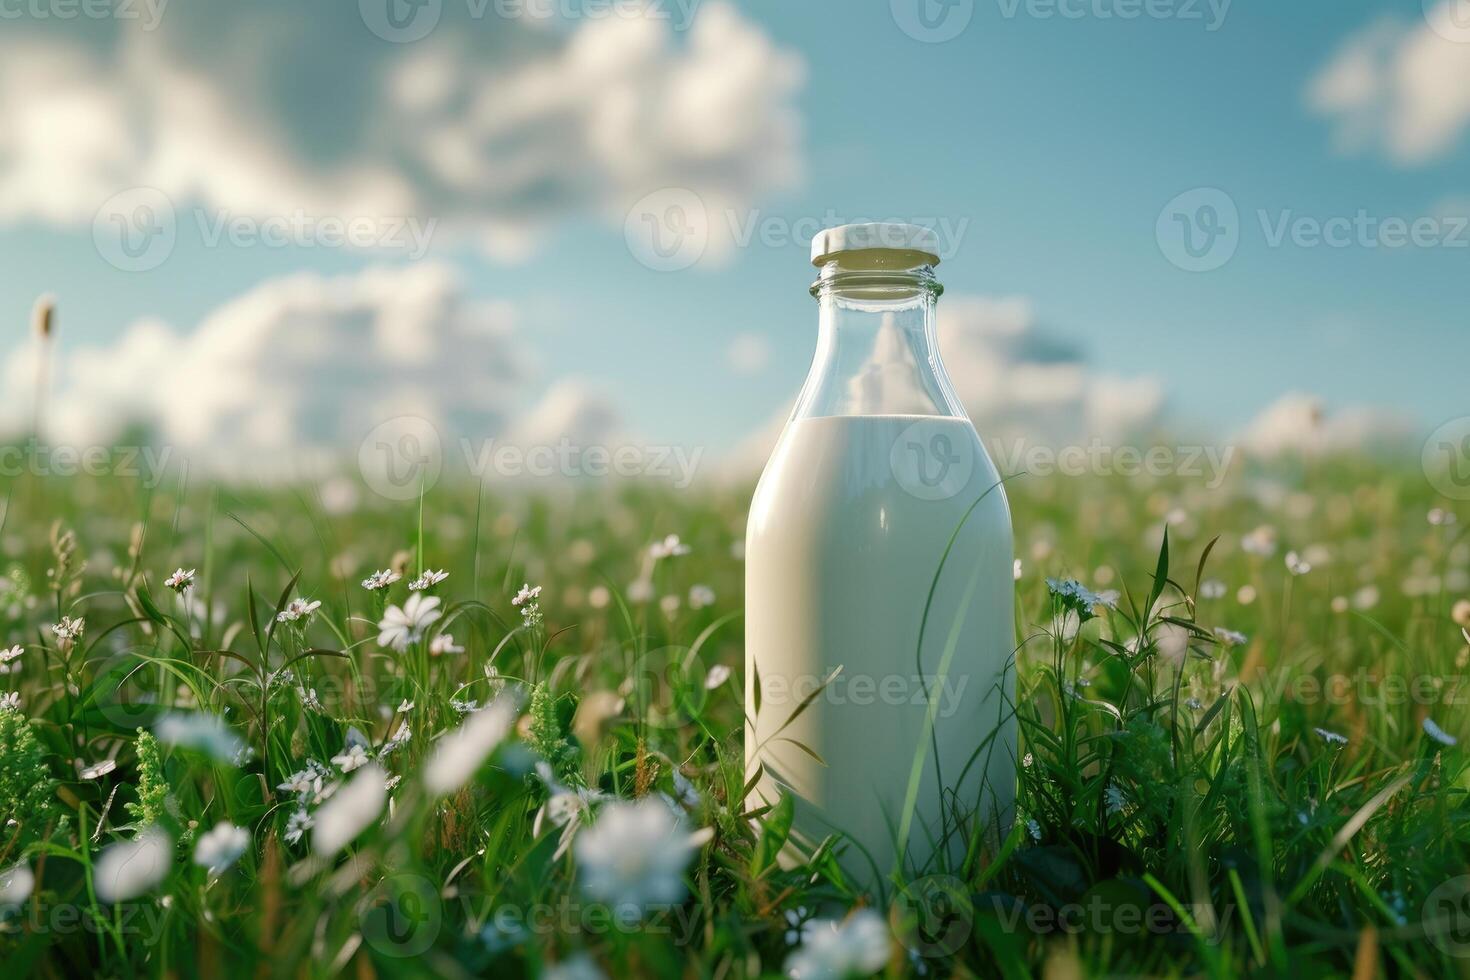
x: 1400, y: 87
x: 1016, y: 381
x: 492, y: 126
x: 748, y: 353
x: 305, y: 363
x: 1301, y: 423
x: 574, y: 411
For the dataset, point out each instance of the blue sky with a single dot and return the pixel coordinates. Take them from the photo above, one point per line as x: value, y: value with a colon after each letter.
x: 1057, y: 141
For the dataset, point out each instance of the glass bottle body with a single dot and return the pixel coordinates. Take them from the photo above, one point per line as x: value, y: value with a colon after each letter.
x: 880, y: 593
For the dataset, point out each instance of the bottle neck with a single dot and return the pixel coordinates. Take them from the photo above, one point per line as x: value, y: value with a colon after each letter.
x: 877, y: 349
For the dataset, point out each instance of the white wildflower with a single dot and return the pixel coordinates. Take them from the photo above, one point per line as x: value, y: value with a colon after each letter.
x: 378, y: 581
x: 1016, y: 570
x: 297, y: 610
x: 564, y: 808
x: 351, y: 810
x: 427, y: 580
x: 297, y: 824
x: 1330, y: 737
x: 701, y: 596
x: 221, y: 847
x: 444, y: 643
x: 180, y: 581
x: 202, y: 733
x: 127, y: 869
x: 1296, y: 564
x: 1261, y: 542
x: 640, y: 591
x: 1172, y: 642
x: 400, y: 738
x: 1438, y: 734
x: 1212, y: 588
x: 464, y: 707
x: 353, y: 756
x: 10, y: 701
x: 718, y: 674
x: 16, y: 884
x: 634, y: 856
x: 669, y: 547
x: 1034, y: 829
x: 858, y: 946
x: 305, y: 780
x: 528, y: 601
x: 403, y: 626
x: 686, y: 792
x: 1230, y: 638
x: 68, y: 631
x: 96, y: 770
x: 459, y: 754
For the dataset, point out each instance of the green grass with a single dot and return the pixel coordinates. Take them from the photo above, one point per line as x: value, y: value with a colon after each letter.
x: 1179, y: 812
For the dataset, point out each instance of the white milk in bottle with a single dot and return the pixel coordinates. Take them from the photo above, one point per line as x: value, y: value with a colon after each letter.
x: 879, y: 561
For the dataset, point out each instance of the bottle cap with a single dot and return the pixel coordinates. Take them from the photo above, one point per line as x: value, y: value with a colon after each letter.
x: 907, y: 245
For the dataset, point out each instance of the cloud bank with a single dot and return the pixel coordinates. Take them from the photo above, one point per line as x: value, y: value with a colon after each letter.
x: 494, y: 126
x: 1402, y: 88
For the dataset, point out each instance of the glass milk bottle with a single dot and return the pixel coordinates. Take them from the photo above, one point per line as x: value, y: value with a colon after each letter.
x: 879, y: 583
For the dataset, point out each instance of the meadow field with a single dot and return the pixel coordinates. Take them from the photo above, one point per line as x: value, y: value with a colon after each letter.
x: 245, y: 734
